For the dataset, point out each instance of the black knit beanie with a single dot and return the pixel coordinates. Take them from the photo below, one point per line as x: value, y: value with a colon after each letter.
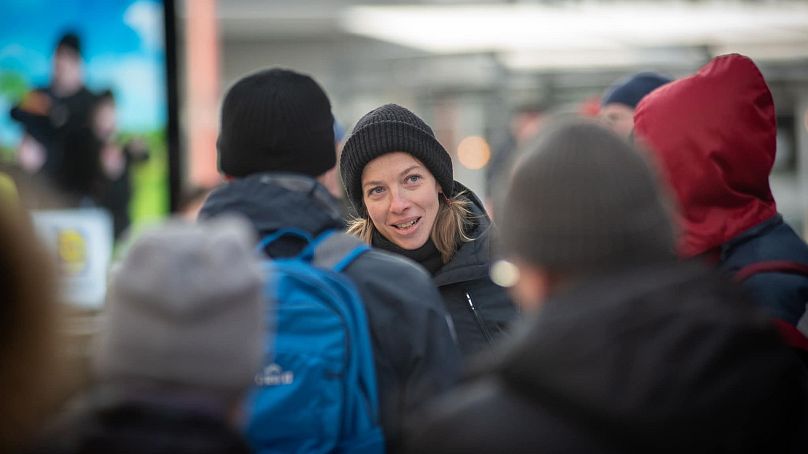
x: 384, y: 130
x: 581, y: 200
x: 276, y: 120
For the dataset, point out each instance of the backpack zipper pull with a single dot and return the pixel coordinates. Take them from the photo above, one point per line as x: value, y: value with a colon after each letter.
x: 479, y: 319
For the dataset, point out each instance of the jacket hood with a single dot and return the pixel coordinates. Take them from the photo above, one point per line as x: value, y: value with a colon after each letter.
x: 714, y: 136
x: 272, y: 201
x: 471, y: 261
x: 664, y: 353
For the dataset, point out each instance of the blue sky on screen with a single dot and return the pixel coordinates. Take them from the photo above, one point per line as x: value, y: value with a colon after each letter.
x: 122, y: 46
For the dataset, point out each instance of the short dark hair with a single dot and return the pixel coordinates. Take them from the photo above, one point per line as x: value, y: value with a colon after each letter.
x: 69, y: 40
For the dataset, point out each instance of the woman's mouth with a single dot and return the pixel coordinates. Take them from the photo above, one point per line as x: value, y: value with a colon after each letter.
x: 407, y: 225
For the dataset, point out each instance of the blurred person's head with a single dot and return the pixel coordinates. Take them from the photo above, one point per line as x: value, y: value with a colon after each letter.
x: 68, y: 75
x: 29, y: 371
x: 619, y: 101
x: 581, y: 201
x: 399, y: 179
x: 714, y: 136
x: 104, y: 116
x: 527, y: 119
x: 276, y: 120
x: 185, y: 312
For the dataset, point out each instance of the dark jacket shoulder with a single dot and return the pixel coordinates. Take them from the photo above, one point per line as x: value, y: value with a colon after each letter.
x: 487, y: 416
x: 783, y: 295
x: 668, y: 358
x: 377, y: 272
x: 411, y: 330
x: 101, y: 425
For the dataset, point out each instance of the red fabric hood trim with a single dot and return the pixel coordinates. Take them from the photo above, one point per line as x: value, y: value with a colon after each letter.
x: 713, y: 135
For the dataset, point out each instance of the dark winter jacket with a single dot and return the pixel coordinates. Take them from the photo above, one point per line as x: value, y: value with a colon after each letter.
x: 64, y: 130
x: 104, y: 422
x: 666, y: 359
x: 414, y: 352
x: 715, y: 135
x: 782, y: 295
x: 480, y: 309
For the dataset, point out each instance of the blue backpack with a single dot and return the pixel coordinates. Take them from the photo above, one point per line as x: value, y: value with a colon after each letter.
x: 317, y: 390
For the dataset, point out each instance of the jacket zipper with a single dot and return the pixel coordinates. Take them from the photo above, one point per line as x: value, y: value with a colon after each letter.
x: 479, y: 319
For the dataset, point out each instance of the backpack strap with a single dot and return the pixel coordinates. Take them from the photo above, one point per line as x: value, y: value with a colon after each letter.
x: 278, y: 234
x: 771, y: 266
x: 336, y: 250
x: 331, y: 249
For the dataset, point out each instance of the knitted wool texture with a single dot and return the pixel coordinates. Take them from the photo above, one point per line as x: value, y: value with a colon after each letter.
x: 387, y: 129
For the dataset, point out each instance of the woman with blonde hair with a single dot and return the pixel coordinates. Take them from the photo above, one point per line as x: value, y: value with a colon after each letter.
x: 399, y: 180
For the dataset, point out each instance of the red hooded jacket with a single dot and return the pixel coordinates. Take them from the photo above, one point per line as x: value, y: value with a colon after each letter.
x: 714, y: 136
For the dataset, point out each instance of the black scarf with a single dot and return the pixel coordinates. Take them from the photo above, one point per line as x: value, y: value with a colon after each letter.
x: 427, y: 255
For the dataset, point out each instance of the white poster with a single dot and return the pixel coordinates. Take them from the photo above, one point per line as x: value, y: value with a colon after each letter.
x: 82, y: 243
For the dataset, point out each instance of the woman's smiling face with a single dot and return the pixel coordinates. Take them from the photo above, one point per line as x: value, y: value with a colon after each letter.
x: 401, y: 197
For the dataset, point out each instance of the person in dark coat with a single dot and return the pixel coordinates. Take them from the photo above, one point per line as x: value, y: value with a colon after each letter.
x: 56, y: 121
x: 180, y: 343
x: 117, y: 161
x: 714, y: 137
x: 399, y: 180
x: 624, y: 348
x: 276, y: 141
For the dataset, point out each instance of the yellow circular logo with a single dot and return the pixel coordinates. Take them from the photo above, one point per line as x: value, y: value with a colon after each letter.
x: 72, y: 251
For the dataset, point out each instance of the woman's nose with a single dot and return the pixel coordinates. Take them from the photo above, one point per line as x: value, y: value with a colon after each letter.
x: 399, y: 201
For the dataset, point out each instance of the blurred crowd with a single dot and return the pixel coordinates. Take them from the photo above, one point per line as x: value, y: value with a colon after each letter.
x: 628, y: 285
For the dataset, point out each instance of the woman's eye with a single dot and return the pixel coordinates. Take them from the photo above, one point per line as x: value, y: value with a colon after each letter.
x: 376, y: 190
x: 413, y: 178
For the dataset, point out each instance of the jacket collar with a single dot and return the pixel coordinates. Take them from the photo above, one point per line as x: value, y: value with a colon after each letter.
x: 271, y: 201
x: 471, y: 261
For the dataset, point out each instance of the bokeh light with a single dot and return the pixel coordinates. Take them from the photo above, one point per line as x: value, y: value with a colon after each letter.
x: 473, y: 152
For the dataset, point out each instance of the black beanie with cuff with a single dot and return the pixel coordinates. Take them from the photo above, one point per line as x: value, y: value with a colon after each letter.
x: 276, y: 120
x: 388, y: 129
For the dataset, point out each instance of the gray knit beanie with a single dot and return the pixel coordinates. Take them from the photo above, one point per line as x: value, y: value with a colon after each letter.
x: 185, y: 308
x: 582, y: 199
x: 387, y: 129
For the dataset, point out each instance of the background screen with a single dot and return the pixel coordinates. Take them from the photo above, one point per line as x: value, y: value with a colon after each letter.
x: 118, y: 160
